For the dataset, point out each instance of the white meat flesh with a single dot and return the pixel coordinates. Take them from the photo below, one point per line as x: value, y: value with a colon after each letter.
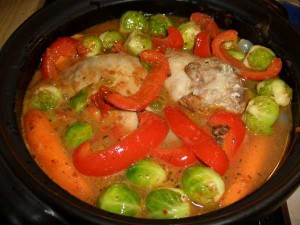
x: 204, y: 83
x: 125, y: 73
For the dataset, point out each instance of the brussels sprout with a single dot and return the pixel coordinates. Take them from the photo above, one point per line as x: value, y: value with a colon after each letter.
x: 259, y: 57
x: 120, y: 199
x: 138, y: 42
x: 146, y: 174
x: 189, y: 30
x: 202, y: 185
x: 46, y: 98
x: 78, y: 133
x: 93, y: 44
x: 239, y: 55
x: 157, y: 105
x: 261, y: 113
x: 158, y: 24
x: 277, y: 88
x: 110, y: 37
x: 229, y: 45
x: 78, y: 101
x: 167, y: 203
x: 133, y: 20
x: 145, y: 65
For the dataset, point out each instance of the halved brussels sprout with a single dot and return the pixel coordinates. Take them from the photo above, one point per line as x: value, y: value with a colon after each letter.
x: 138, y: 42
x: 277, y: 88
x: 189, y: 30
x: 167, y: 203
x: 158, y: 24
x: 79, y: 101
x: 146, y: 174
x: 120, y: 199
x: 259, y: 57
x: 93, y: 45
x: 239, y: 55
x: 202, y: 185
x: 46, y: 98
x: 261, y: 113
x: 78, y: 133
x: 110, y: 37
x: 133, y: 20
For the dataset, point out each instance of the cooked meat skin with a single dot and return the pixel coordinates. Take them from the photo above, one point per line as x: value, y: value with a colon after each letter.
x: 204, y: 83
x: 124, y: 70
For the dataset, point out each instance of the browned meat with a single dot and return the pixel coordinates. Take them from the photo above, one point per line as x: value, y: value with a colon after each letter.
x: 202, y: 84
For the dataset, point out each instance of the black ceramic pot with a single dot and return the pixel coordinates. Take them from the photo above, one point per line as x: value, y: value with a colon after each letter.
x: 28, y: 196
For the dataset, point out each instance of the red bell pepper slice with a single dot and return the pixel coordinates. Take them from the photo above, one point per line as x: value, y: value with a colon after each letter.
x: 179, y: 157
x: 195, y: 138
x: 173, y: 40
x: 202, y: 45
x: 118, y: 47
x: 150, y: 87
x: 206, y: 23
x: 235, y: 136
x: 64, y: 47
x: 151, y: 132
x: 99, y: 100
x: 220, y: 52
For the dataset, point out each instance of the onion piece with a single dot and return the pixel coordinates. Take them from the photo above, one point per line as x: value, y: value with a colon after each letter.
x: 244, y: 45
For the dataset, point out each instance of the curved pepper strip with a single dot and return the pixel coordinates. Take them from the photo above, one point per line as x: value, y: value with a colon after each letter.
x: 179, y: 157
x: 206, y: 23
x: 201, y: 143
x: 202, y: 45
x: 220, y: 52
x: 173, y: 40
x: 150, y: 87
x: 151, y: 132
x: 60, y: 48
x: 236, y: 134
x: 99, y: 100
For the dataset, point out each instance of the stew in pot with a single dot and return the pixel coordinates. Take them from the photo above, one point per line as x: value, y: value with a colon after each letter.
x: 158, y: 116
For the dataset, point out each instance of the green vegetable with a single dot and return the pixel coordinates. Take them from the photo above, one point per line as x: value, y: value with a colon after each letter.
x: 78, y: 133
x: 138, y: 42
x: 120, y: 199
x: 202, y: 185
x: 157, y: 105
x: 189, y: 30
x: 93, y: 44
x: 145, y: 65
x: 46, y: 98
x: 158, y: 24
x: 229, y: 45
x: 167, y: 203
x: 78, y: 101
x: 259, y: 57
x: 146, y: 174
x: 277, y: 88
x: 261, y: 113
x: 133, y: 20
x: 110, y: 37
x: 239, y: 55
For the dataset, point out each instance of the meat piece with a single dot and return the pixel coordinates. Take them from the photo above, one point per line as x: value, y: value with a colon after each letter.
x: 125, y: 72
x: 178, y: 84
x: 204, y: 83
x: 219, y: 132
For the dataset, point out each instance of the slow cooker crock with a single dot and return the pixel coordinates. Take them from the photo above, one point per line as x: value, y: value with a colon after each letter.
x: 30, y: 197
